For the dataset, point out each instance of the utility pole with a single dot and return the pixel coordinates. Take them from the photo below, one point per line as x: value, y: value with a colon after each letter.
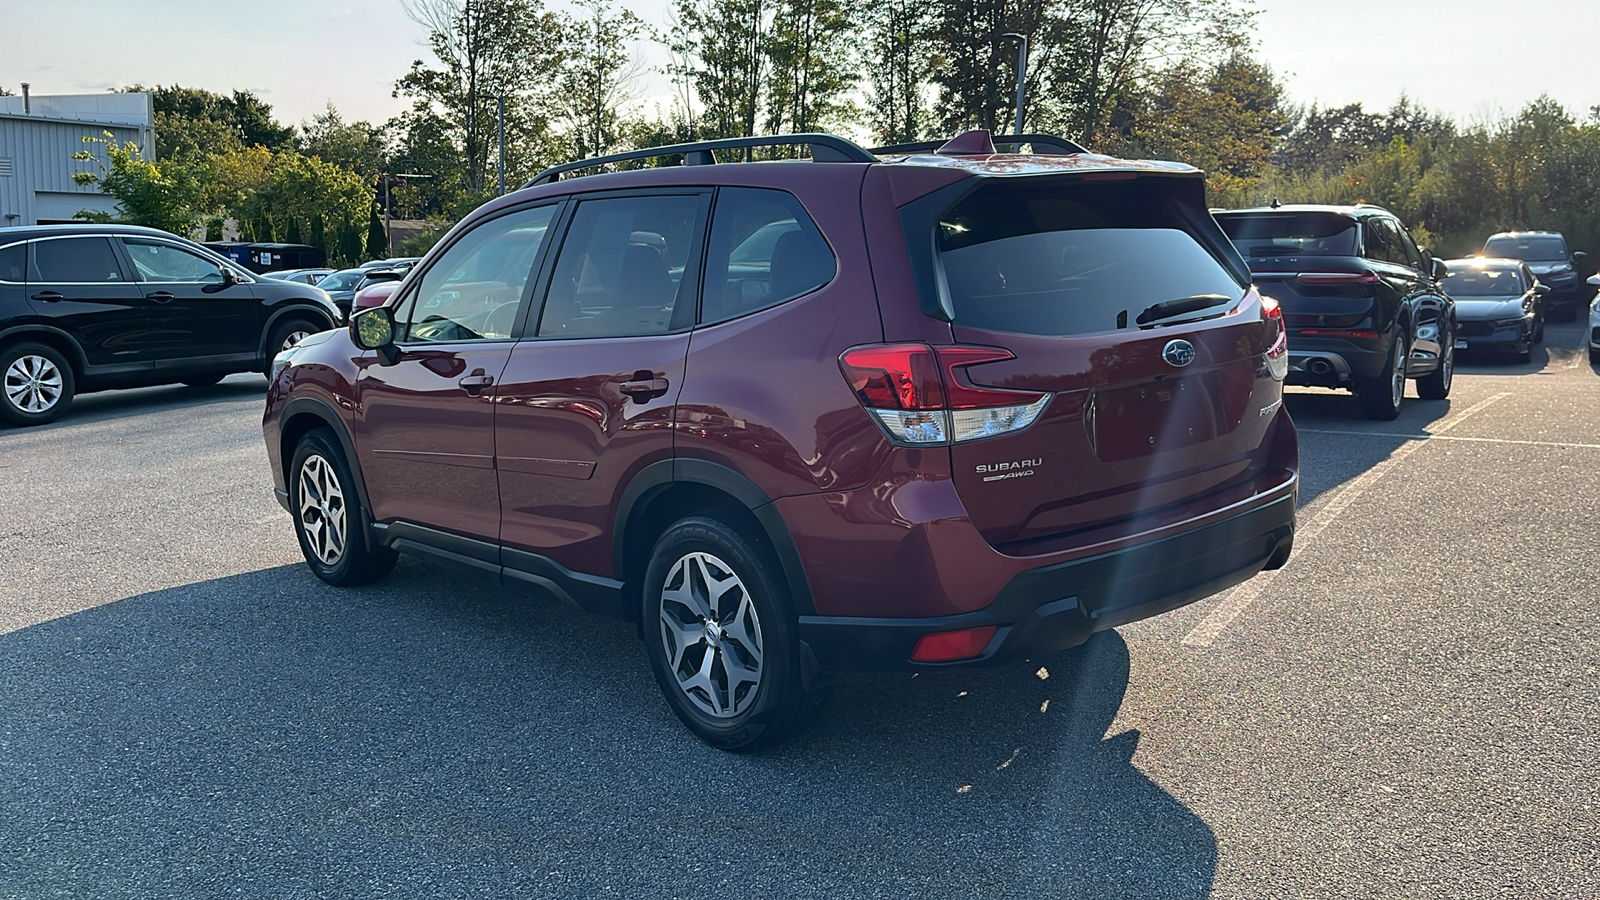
x: 1022, y: 73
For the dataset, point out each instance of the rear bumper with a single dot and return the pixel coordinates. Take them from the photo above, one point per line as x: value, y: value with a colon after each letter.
x: 1335, y: 362
x: 1057, y: 606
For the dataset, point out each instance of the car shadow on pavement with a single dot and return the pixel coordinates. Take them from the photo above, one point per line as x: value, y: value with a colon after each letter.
x: 1337, y: 445
x: 102, y: 406
x: 433, y: 735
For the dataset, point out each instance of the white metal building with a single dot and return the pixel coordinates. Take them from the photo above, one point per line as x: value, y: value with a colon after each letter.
x: 38, y: 136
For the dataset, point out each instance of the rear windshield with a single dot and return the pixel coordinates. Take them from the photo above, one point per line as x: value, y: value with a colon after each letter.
x: 1291, y: 234
x: 1528, y: 249
x: 1072, y: 259
x: 1475, y: 282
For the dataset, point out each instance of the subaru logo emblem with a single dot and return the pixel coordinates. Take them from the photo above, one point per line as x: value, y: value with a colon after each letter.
x: 1178, y: 353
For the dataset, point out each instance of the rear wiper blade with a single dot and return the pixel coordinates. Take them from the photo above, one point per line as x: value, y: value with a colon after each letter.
x: 1166, y: 309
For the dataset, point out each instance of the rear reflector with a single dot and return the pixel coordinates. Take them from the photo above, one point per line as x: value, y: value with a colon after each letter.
x: 949, y: 646
x: 1338, y: 277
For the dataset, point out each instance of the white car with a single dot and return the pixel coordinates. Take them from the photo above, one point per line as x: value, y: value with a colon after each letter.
x: 1594, y: 324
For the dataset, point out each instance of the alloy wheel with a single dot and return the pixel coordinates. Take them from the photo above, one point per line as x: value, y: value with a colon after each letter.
x: 1449, y: 361
x: 33, y: 384
x: 1397, y: 385
x: 711, y: 635
x: 293, y: 337
x: 322, y: 510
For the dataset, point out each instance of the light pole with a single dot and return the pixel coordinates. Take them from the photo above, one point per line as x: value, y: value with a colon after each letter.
x: 1022, y: 72
x: 387, y: 178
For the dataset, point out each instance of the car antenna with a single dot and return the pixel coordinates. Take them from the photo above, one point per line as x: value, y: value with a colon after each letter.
x: 1275, y: 203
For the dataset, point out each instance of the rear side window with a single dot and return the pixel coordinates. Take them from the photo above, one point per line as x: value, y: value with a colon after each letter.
x: 1291, y: 234
x: 85, y: 260
x: 14, y: 263
x: 1071, y: 259
x: 1383, y: 242
x: 764, y: 250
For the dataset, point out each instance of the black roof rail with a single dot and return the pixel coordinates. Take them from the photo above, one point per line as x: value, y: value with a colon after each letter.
x: 824, y: 148
x: 1061, y: 145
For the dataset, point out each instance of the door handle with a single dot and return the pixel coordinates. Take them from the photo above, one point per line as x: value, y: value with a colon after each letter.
x: 160, y: 296
x: 476, y: 382
x: 643, y: 391
x: 50, y: 296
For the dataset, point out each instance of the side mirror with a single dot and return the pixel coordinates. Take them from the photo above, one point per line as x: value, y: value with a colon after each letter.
x: 374, y: 329
x: 1542, y: 289
x: 1440, y: 270
x: 1594, y: 280
x: 1579, y: 258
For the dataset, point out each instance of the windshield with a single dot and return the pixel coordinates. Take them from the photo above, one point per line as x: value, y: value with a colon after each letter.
x: 1475, y: 282
x: 1071, y: 259
x: 1528, y: 249
x: 341, y: 281
x: 1290, y: 234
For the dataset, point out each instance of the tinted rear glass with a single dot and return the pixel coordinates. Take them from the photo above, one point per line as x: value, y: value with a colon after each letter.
x: 1529, y: 249
x: 13, y: 262
x: 1291, y: 234
x: 1070, y: 259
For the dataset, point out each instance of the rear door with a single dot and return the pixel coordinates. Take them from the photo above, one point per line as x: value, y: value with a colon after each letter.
x: 587, y: 401
x: 197, y: 315
x: 80, y: 285
x: 1124, y: 300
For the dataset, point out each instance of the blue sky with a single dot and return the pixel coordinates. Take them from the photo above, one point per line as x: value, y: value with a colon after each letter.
x: 1469, y: 58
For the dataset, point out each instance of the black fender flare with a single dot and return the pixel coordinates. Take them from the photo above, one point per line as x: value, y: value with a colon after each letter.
x: 658, y: 476
x: 80, y: 360
x: 320, y: 409
x: 291, y: 310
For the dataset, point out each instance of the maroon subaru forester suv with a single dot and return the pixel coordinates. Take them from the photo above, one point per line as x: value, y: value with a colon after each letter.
x: 912, y: 408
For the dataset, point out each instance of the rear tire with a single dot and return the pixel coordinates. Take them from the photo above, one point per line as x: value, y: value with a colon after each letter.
x: 722, y: 637
x: 284, y: 336
x: 327, y: 515
x: 36, y: 384
x: 1381, y: 397
x: 1436, y: 384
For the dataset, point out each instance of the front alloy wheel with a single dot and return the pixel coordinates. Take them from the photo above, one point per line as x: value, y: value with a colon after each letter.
x: 322, y: 510
x: 711, y: 635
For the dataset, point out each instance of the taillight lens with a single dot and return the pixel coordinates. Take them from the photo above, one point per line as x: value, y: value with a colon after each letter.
x: 1278, y: 353
x: 921, y: 397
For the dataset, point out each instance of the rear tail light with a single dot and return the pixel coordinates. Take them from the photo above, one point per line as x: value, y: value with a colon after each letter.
x: 920, y: 398
x: 949, y: 646
x: 1278, y: 353
x: 1338, y: 277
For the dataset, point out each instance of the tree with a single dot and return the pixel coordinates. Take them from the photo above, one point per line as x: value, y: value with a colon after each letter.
x: 193, y: 122
x: 597, y: 75
x: 357, y: 146
x: 485, y: 49
x: 811, y: 69
x: 725, y: 47
x: 157, y: 195
x: 377, y: 238
x: 977, y: 74
x: 899, y: 66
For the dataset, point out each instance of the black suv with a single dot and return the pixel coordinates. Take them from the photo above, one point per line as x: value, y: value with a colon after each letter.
x: 1552, y: 262
x: 1361, y: 300
x: 92, y: 307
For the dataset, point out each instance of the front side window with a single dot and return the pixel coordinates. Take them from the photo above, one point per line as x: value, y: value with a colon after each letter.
x: 625, y: 268
x: 764, y: 250
x: 1060, y: 259
x: 85, y: 260
x: 167, y: 264
x: 473, y: 291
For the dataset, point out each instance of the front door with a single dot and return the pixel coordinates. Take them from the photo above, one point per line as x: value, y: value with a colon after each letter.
x: 425, y: 424
x: 198, y: 316
x: 587, y: 401
x: 79, y: 285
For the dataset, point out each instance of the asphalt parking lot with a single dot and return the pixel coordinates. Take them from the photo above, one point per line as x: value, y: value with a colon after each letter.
x: 1410, y: 709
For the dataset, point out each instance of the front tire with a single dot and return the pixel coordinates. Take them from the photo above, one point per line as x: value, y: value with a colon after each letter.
x: 327, y: 516
x: 1381, y: 397
x: 722, y: 636
x: 36, y: 384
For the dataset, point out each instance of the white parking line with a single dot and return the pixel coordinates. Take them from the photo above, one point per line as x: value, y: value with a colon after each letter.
x: 1239, y: 599
x: 1450, y: 437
